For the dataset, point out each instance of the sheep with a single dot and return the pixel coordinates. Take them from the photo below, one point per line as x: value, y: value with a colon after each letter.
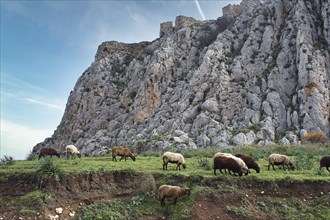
x: 171, y: 192
x: 227, y: 163
x: 222, y: 154
x: 325, y: 162
x: 245, y: 169
x: 123, y: 152
x: 279, y: 159
x: 250, y: 163
x: 169, y: 157
x: 48, y: 151
x: 71, y: 150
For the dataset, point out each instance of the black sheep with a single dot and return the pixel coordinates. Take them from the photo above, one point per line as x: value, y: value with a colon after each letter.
x: 226, y: 163
x: 48, y: 151
x: 325, y: 162
x: 250, y: 163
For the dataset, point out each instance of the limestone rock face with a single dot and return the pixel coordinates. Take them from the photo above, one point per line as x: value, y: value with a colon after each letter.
x: 256, y: 75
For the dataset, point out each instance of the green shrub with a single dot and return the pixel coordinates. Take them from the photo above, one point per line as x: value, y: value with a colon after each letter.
x: 34, y: 199
x: 31, y: 156
x: 7, y: 160
x: 48, y: 168
x: 204, y: 163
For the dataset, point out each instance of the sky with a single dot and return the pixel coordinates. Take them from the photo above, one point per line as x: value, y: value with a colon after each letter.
x: 46, y: 46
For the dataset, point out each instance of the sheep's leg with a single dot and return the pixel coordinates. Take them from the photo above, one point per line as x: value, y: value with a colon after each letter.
x: 273, y: 167
x: 121, y: 158
x: 164, y: 166
x: 283, y: 167
x: 268, y: 166
x: 175, y: 200
x: 178, y: 166
x: 214, y: 171
x: 162, y: 202
x: 328, y: 169
x: 221, y: 171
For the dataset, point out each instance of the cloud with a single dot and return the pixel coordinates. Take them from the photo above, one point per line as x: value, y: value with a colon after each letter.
x: 200, y: 11
x: 22, y: 91
x: 17, y: 139
x: 45, y: 104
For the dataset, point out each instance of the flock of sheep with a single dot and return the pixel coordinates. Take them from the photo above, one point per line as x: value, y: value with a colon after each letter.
x: 236, y: 164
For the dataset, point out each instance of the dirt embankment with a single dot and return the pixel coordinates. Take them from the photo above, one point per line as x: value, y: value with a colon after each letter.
x: 79, y: 190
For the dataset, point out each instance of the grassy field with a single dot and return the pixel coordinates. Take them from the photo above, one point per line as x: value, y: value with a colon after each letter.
x: 199, y: 169
x: 199, y: 162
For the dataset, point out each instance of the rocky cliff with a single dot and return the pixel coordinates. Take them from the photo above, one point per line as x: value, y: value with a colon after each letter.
x: 257, y: 75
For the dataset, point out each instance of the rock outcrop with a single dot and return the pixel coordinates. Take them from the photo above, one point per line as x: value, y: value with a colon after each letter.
x: 257, y: 75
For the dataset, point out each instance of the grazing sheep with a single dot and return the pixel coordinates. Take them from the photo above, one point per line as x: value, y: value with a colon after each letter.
x: 71, y: 150
x: 244, y: 167
x: 171, y: 192
x: 48, y: 151
x: 250, y: 163
x: 325, y: 162
x: 279, y: 159
x: 123, y: 152
x: 227, y: 163
x: 220, y: 154
x: 169, y: 157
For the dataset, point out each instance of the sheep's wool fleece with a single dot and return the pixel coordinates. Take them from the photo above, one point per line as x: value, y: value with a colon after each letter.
x: 174, y: 157
x: 278, y: 158
x: 72, y: 148
x: 237, y: 159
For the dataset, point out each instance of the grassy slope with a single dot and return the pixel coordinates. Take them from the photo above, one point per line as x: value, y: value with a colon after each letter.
x: 199, y: 162
x: 306, y: 158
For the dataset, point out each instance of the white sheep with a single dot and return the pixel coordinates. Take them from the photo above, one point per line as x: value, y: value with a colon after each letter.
x: 71, y: 150
x: 280, y: 159
x: 242, y: 164
x: 171, y: 192
x: 221, y: 154
x: 169, y: 157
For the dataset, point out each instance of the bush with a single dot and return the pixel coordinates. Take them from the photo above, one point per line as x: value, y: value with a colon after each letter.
x: 31, y: 156
x: 47, y: 168
x: 314, y: 137
x: 204, y: 163
x: 7, y: 160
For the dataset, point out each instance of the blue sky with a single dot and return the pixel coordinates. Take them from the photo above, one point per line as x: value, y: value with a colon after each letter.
x: 46, y: 46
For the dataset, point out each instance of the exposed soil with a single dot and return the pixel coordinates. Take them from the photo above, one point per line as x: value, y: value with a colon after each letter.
x: 79, y: 190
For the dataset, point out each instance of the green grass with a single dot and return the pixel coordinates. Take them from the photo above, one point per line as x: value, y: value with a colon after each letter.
x: 199, y: 162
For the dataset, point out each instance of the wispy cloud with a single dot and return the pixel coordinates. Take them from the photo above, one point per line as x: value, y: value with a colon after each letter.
x: 17, y: 139
x: 200, y: 11
x: 16, y: 89
x: 45, y: 104
x: 11, y: 81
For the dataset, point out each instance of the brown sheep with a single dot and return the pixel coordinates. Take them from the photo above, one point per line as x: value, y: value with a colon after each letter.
x: 123, y: 152
x: 325, y: 162
x: 250, y: 163
x: 280, y: 159
x: 227, y: 163
x: 171, y: 192
x: 48, y: 151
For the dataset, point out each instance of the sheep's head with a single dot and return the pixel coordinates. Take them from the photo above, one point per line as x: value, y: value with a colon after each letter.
x: 79, y: 155
x: 292, y: 167
x: 133, y: 157
x: 184, y: 166
x: 257, y: 169
x: 187, y: 191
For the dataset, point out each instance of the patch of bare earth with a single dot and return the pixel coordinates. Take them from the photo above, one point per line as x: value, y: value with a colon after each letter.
x: 80, y: 190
